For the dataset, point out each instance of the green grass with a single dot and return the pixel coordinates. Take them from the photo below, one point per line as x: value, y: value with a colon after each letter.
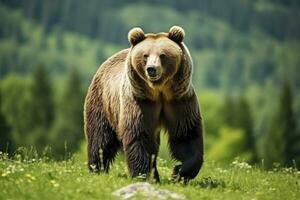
x: 46, y: 179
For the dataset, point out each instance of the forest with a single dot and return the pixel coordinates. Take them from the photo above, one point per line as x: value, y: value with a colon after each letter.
x: 246, y: 71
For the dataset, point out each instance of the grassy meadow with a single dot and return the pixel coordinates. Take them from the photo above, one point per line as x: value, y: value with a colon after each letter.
x: 27, y: 176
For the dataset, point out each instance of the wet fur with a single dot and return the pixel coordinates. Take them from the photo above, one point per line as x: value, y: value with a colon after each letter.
x: 122, y: 111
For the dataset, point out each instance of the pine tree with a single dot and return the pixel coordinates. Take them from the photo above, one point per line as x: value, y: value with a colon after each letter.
x: 237, y: 114
x: 6, y: 144
x: 42, y: 108
x: 15, y: 107
x: 243, y: 120
x: 68, y: 131
x: 289, y: 127
x: 228, y: 112
x: 282, y: 143
x: 42, y: 105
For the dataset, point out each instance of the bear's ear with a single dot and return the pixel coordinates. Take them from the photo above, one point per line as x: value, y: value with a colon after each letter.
x: 136, y: 35
x: 176, y: 33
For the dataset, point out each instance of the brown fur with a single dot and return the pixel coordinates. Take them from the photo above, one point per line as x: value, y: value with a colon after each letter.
x: 123, y: 108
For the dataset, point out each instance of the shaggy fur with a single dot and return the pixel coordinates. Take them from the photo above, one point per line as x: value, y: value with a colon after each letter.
x: 125, y: 109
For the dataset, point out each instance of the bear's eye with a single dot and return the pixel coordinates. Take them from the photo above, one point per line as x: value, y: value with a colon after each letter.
x: 162, y: 56
x: 145, y: 56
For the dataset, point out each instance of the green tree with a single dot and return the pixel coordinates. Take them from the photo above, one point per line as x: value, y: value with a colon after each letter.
x: 15, y: 106
x: 282, y: 143
x: 237, y: 114
x: 6, y: 144
x: 42, y: 102
x: 42, y: 107
x: 68, y: 129
x: 244, y: 121
x: 289, y: 127
x: 229, y: 112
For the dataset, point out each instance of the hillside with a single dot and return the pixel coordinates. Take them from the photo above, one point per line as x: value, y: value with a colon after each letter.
x: 244, y: 52
x: 227, y: 57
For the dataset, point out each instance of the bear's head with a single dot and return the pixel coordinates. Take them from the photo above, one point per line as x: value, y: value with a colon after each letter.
x: 157, y: 57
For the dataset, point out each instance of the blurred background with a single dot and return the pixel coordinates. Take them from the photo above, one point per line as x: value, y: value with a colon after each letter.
x: 246, y: 70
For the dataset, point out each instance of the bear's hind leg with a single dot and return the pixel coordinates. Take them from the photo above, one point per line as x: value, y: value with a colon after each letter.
x: 103, y: 143
x: 109, y: 148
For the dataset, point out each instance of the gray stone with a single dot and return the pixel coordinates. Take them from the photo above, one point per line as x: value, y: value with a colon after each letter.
x: 147, y: 191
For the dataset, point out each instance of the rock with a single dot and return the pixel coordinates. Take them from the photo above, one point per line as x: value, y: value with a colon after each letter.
x: 147, y: 191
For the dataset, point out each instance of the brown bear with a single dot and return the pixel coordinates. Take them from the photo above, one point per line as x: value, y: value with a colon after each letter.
x: 137, y: 92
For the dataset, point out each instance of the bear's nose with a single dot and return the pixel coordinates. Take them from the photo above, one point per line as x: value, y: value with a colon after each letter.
x: 151, y: 70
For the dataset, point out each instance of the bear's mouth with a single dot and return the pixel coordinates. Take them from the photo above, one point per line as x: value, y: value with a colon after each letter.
x: 154, y: 78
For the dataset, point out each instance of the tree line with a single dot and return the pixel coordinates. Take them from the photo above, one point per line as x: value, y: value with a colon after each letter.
x: 278, y: 18
x: 34, y: 113
x: 230, y: 131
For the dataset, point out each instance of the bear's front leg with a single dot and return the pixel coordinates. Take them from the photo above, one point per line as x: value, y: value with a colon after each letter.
x: 189, y: 154
x: 185, y: 137
x: 141, y: 157
x: 140, y: 143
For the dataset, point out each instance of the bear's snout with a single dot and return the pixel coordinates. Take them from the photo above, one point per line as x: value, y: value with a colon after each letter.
x: 154, y: 72
x: 153, y: 67
x: 151, y: 70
